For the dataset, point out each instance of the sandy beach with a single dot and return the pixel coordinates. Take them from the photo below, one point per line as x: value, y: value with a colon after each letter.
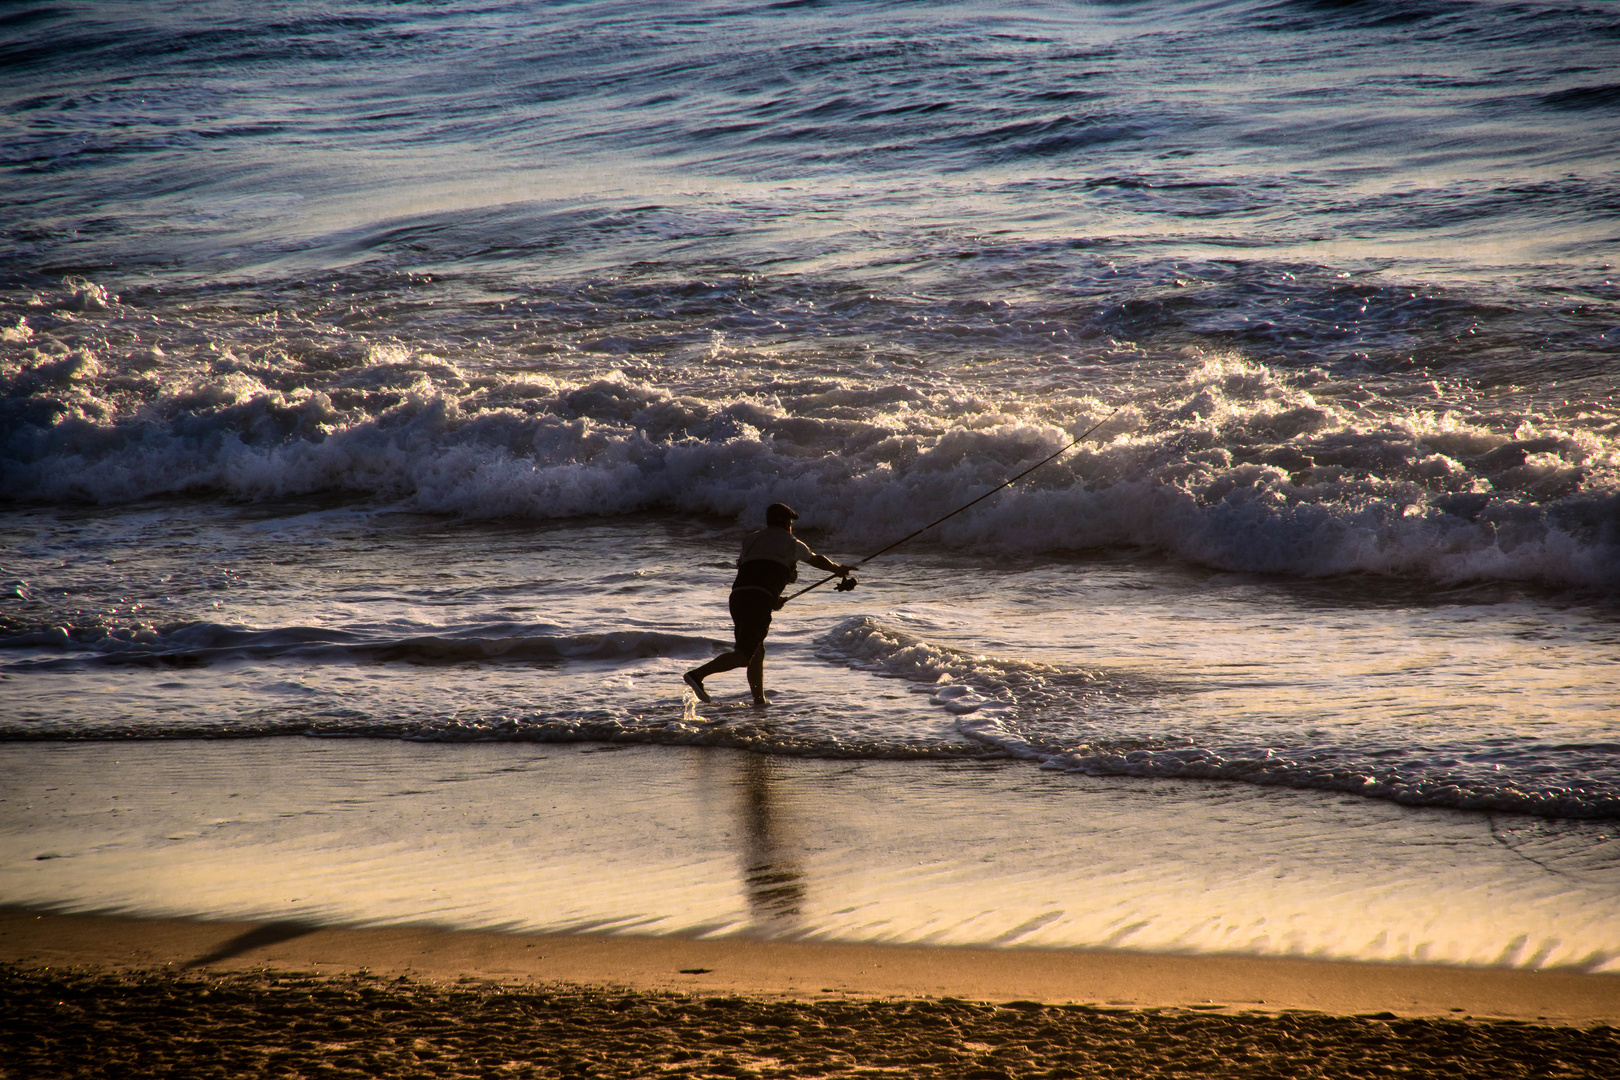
x: 184, y: 998
x: 294, y: 907
x: 807, y: 971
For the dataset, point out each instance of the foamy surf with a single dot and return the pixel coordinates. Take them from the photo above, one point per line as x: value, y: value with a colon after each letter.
x: 1097, y: 720
x: 1218, y: 460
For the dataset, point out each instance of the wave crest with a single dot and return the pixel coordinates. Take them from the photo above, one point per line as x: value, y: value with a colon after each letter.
x: 1232, y: 464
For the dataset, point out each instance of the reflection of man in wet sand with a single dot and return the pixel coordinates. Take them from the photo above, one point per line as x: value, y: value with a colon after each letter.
x: 773, y: 881
x: 767, y: 565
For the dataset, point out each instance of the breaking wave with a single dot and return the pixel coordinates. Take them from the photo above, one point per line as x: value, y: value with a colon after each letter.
x: 1061, y: 718
x: 1224, y: 462
x: 198, y: 644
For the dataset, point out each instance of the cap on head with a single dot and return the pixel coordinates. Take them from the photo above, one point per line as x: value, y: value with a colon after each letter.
x: 780, y: 515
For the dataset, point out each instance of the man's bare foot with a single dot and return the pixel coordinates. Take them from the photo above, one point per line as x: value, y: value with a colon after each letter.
x: 696, y: 684
x: 760, y: 703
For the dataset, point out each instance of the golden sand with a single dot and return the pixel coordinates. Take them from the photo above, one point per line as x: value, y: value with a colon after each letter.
x: 228, y: 999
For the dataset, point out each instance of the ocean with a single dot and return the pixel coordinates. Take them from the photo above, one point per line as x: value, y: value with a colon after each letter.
x: 396, y: 381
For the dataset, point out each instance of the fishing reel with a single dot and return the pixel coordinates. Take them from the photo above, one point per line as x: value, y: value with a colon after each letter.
x: 847, y: 585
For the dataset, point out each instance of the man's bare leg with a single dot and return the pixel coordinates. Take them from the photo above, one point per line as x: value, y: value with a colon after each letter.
x: 723, y: 662
x: 756, y: 676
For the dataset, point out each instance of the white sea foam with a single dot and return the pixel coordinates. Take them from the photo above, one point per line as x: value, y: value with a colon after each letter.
x: 1232, y: 465
x: 1062, y: 720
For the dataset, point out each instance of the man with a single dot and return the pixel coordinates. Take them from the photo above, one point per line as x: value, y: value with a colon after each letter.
x: 768, y: 564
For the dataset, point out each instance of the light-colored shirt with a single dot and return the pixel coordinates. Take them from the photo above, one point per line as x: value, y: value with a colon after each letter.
x: 775, y: 545
x: 769, y: 562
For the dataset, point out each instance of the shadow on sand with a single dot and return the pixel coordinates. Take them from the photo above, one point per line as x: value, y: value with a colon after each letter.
x: 258, y: 937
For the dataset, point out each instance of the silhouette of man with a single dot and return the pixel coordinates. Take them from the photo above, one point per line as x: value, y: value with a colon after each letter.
x: 767, y: 565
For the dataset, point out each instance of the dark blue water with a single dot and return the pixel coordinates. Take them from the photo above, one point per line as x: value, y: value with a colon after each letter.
x: 1473, y: 139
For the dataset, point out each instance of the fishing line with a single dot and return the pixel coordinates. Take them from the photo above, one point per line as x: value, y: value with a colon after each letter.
x: 849, y: 582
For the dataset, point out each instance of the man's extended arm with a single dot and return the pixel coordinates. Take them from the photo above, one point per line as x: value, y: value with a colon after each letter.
x: 821, y: 562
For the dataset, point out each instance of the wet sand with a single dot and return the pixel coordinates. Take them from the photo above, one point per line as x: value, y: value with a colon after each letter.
x: 705, y: 843
x: 187, y: 998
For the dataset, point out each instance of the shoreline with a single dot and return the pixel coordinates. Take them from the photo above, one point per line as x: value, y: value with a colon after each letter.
x: 702, y: 843
x: 777, y: 970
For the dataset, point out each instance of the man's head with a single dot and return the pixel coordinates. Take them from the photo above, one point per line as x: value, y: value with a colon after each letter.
x: 780, y: 516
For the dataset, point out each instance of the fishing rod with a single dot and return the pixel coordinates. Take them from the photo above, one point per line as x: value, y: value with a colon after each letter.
x: 849, y: 582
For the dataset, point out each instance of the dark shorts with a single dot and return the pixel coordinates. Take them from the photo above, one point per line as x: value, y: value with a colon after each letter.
x: 751, y: 612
